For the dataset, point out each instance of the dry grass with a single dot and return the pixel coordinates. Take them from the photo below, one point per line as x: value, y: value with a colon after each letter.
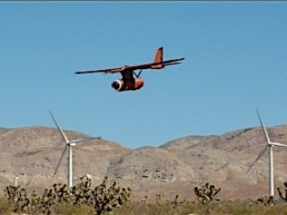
x: 216, y: 208
x: 5, y: 206
x: 72, y: 210
x: 221, y: 208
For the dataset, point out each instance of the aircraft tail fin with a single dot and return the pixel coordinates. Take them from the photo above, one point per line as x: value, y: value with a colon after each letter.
x: 158, y: 58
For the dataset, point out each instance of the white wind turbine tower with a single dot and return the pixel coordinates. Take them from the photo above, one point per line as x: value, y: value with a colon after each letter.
x: 15, y: 180
x: 69, y: 145
x: 269, y: 145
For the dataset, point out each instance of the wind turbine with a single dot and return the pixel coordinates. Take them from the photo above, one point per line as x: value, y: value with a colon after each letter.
x: 69, y: 145
x: 269, y: 145
x: 15, y: 180
x: 87, y: 175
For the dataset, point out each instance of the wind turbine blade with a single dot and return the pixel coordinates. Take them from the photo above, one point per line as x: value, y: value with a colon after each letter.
x: 278, y: 144
x: 84, y: 140
x: 78, y: 178
x: 263, y: 127
x: 61, y: 158
x: 258, y: 157
x: 93, y: 182
x: 59, y: 128
x: 87, y: 172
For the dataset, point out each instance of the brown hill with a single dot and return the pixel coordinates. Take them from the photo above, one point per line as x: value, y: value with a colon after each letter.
x: 174, y: 167
x: 225, y: 160
x: 34, y: 153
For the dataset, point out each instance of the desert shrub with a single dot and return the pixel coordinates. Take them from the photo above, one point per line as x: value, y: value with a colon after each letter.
x: 266, y: 200
x: 61, y: 200
x: 283, y: 196
x: 115, y: 200
x: 207, y: 193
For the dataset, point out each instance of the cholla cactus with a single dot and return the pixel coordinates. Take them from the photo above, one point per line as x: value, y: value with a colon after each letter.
x: 51, y: 197
x: 266, y: 200
x: 144, y: 199
x: 101, y: 199
x: 207, y: 193
x: 175, y: 201
x: 158, y: 198
x: 105, y: 198
x: 19, y: 199
x: 281, y: 194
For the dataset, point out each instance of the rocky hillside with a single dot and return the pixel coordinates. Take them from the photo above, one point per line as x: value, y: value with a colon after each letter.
x: 174, y: 167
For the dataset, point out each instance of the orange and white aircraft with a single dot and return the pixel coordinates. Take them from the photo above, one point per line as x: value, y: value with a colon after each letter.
x: 130, y: 80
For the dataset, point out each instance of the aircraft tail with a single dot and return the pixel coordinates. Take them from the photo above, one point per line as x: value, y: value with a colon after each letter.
x: 158, y: 58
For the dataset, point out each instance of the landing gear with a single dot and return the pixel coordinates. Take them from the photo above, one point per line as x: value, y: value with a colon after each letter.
x: 138, y: 75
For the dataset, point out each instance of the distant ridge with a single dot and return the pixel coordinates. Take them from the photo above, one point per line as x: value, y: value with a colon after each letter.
x: 173, y: 167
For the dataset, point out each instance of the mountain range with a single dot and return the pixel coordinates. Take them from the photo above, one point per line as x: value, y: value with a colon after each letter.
x: 175, y: 167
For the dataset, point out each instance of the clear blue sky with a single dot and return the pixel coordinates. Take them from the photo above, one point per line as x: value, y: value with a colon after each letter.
x: 236, y: 59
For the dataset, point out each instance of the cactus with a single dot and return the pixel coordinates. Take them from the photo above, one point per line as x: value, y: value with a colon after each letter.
x: 175, y: 201
x: 106, y: 198
x: 207, y: 193
x: 144, y: 199
x: 101, y: 199
x: 266, y: 200
x: 158, y: 198
x: 281, y: 194
x: 17, y: 196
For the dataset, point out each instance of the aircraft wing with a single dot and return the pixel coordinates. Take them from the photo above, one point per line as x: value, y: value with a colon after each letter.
x: 110, y: 70
x: 135, y: 67
x: 150, y: 65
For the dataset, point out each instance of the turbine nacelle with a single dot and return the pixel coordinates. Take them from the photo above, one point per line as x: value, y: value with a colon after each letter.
x: 88, y: 176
